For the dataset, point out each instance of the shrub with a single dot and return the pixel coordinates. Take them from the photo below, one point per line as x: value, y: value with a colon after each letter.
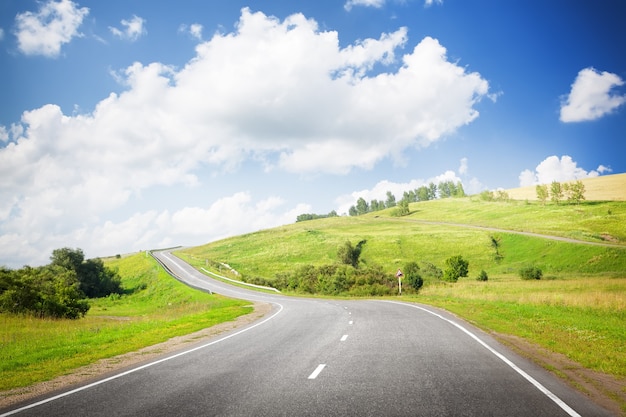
x: 482, y: 276
x: 412, y: 274
x: 456, y: 267
x: 530, y: 272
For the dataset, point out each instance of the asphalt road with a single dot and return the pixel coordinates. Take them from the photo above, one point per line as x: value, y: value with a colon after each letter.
x: 312, y: 357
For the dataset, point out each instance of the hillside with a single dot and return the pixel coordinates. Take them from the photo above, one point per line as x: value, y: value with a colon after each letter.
x: 434, y: 231
x: 603, y: 188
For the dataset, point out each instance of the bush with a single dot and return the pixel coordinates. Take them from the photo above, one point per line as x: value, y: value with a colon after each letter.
x: 412, y: 274
x: 456, y: 267
x: 530, y: 272
x: 482, y: 276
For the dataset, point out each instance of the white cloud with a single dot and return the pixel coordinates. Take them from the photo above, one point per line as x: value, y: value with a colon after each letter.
x: 132, y: 29
x: 367, y: 3
x: 45, y: 31
x: 1, y: 34
x: 194, y: 30
x: 554, y: 169
x: 590, y: 97
x: 429, y: 3
x: 280, y: 92
x: 463, y: 167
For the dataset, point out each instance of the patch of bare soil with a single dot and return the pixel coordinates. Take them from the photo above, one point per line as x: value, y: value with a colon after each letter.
x: 109, y: 365
x: 605, y: 390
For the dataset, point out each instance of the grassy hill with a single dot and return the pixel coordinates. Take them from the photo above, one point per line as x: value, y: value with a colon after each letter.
x: 436, y: 230
x: 603, y: 188
x: 577, y: 310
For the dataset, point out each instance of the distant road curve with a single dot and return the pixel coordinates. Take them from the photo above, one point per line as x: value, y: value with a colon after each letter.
x: 517, y: 232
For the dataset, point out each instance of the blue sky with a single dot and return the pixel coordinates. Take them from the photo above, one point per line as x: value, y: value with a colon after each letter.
x: 130, y: 125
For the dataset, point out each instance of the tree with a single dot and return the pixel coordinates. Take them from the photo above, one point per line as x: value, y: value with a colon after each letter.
x: 459, y: 191
x: 576, y: 192
x: 412, y: 274
x: 95, y: 279
x: 423, y: 193
x: 456, y: 267
x: 556, y: 192
x: 349, y: 254
x: 391, y: 200
x: 361, y: 206
x: 353, y: 211
x: 403, y: 208
x: 432, y: 191
x: 542, y: 193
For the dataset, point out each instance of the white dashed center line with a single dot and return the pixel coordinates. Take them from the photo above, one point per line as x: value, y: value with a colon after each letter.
x: 344, y: 337
x: 317, y: 371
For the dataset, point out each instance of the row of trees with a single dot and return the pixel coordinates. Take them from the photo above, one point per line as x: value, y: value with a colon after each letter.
x: 444, y: 189
x: 573, y: 192
x: 311, y: 216
x: 58, y: 290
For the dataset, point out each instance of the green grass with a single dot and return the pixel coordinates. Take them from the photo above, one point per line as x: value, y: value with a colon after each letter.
x: 392, y: 242
x: 577, y: 308
x: 159, y: 308
x: 582, y: 318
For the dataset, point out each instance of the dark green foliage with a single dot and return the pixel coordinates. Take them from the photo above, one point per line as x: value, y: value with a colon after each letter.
x: 95, y: 279
x: 49, y: 291
x: 530, y: 272
x: 337, y: 279
x: 350, y: 255
x: 456, y: 267
x: 311, y: 216
x: 58, y: 290
x: 412, y: 274
x: 482, y: 276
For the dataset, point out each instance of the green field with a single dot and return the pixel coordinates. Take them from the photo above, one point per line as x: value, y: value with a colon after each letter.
x: 576, y: 309
x: 156, y: 309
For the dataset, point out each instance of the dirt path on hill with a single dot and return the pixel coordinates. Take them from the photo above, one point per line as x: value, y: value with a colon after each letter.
x: 517, y: 232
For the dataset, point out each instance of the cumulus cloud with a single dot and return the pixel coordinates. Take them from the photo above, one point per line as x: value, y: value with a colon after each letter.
x: 367, y: 3
x: 44, y: 32
x: 554, y: 169
x: 1, y: 34
x: 280, y: 92
x: 131, y: 29
x: 591, y: 96
x: 429, y: 3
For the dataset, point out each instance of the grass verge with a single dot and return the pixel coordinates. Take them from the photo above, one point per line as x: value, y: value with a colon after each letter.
x: 156, y: 309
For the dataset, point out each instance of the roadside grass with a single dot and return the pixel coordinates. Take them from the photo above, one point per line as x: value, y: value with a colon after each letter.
x: 156, y: 309
x: 581, y: 317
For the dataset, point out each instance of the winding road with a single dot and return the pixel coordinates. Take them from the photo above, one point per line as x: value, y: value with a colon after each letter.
x: 318, y: 357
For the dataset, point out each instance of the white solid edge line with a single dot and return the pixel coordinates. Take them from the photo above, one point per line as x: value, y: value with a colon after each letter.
x: 317, y: 371
x: 139, y: 368
x: 517, y: 369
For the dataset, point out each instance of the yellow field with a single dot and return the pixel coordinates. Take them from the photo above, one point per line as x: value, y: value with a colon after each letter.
x: 603, y: 188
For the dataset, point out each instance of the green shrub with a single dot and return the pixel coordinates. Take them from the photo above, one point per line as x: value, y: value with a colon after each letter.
x: 530, y: 272
x: 482, y: 276
x: 412, y: 274
x: 456, y: 267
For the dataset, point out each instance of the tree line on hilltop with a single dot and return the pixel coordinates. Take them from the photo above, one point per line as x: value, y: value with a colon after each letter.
x: 60, y: 289
x: 432, y: 191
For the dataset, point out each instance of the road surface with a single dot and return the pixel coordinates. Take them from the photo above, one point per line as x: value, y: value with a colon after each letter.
x: 315, y: 357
